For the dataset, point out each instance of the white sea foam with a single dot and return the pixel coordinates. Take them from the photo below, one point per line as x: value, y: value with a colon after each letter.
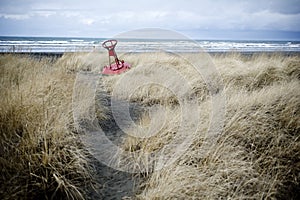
x: 60, y: 45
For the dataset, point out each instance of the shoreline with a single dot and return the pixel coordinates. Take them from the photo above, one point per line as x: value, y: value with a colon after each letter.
x: 246, y: 53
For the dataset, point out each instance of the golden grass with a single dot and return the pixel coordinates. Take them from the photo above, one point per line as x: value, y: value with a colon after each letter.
x: 40, y: 155
x: 255, y: 157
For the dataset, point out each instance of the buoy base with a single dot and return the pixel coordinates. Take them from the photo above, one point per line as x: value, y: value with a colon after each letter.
x: 116, y: 69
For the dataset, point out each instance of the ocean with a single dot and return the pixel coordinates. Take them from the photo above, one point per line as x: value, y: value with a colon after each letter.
x: 64, y: 44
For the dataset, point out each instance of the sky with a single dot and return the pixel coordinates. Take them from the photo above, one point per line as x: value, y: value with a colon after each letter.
x: 197, y: 19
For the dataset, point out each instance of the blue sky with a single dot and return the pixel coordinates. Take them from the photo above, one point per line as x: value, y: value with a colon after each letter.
x: 198, y: 19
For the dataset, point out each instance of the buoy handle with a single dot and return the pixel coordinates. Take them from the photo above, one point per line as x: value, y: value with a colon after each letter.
x: 109, y: 44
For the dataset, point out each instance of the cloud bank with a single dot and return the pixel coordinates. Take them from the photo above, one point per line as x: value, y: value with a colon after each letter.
x: 96, y: 18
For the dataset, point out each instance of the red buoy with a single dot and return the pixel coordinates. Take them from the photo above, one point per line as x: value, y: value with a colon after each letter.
x: 118, y: 66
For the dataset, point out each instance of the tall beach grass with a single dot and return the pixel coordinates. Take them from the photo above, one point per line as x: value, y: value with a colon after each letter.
x: 256, y: 156
x: 257, y: 153
x: 41, y: 157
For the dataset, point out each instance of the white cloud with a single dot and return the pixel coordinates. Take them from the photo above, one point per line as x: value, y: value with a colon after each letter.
x: 69, y: 13
x: 87, y: 21
x: 43, y: 13
x: 267, y: 20
x: 15, y: 16
x: 118, y: 16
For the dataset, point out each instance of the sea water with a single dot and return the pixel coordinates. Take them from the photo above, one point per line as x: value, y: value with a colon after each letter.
x: 64, y: 44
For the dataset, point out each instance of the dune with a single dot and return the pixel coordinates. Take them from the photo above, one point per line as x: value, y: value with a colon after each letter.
x: 253, y: 153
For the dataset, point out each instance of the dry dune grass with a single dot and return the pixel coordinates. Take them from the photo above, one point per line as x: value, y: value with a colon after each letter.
x: 258, y: 70
x: 256, y: 156
x: 165, y: 69
x: 40, y: 156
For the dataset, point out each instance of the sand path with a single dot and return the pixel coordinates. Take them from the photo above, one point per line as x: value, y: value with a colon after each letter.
x: 111, y: 183
x: 115, y: 184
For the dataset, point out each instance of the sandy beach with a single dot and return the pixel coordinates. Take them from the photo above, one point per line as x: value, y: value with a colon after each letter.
x: 242, y: 138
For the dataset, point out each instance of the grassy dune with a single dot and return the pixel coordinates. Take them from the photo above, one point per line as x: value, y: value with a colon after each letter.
x: 40, y: 155
x: 256, y: 155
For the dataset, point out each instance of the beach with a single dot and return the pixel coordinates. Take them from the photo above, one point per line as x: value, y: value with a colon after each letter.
x: 184, y: 44
x: 208, y: 124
